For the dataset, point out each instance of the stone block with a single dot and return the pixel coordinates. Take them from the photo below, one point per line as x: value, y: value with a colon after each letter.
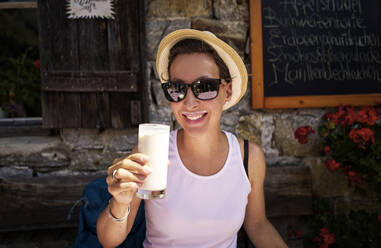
x: 258, y: 127
x: 157, y: 29
x: 228, y: 122
x: 15, y: 171
x: 179, y: 8
x: 93, y: 160
x: 284, y: 139
x: 247, y: 130
x: 108, y: 140
x: 25, y: 146
x: 326, y: 183
x: 362, y: 198
x: 40, y: 153
x: 288, y: 191
x: 286, y: 225
x: 234, y: 10
x: 232, y: 32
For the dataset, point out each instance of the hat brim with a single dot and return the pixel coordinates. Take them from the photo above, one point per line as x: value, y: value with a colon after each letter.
x: 231, y: 58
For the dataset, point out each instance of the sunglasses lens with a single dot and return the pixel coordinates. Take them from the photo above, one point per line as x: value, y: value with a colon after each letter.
x: 206, y: 89
x: 203, y: 89
x: 174, y: 92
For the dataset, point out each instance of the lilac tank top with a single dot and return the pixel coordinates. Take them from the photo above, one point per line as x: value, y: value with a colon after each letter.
x: 199, y: 211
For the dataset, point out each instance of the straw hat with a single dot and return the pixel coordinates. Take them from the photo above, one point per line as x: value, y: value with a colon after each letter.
x: 231, y: 58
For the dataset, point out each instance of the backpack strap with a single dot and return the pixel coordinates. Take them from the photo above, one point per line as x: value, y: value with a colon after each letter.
x: 246, y: 155
x: 243, y: 239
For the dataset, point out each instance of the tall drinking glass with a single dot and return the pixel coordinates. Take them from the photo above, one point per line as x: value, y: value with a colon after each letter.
x: 154, y: 142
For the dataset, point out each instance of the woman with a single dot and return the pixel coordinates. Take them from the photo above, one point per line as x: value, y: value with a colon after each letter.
x: 208, y: 194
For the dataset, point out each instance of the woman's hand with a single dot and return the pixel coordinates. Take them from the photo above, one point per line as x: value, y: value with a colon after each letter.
x: 125, y: 175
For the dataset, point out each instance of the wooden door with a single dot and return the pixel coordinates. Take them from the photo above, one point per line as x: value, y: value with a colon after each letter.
x: 93, y: 70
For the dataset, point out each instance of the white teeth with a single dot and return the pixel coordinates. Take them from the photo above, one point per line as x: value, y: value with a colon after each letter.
x: 193, y: 118
x: 194, y: 115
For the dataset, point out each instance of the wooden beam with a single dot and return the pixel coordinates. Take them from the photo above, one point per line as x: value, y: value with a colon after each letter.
x: 321, y: 101
x: 19, y: 5
x: 89, y: 81
x: 40, y: 202
x: 256, y: 53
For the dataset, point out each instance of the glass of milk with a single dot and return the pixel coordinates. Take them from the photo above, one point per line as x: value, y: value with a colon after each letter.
x: 154, y: 142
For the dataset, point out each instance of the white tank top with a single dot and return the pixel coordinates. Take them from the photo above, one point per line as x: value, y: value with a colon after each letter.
x: 199, y: 211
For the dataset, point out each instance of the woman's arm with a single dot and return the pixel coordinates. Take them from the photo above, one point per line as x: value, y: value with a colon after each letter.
x: 260, y: 231
x: 123, y: 186
x: 111, y: 233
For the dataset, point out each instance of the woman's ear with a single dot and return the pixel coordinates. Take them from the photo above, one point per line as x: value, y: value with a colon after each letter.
x: 228, y: 90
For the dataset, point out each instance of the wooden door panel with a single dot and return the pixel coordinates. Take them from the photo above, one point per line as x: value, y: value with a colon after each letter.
x: 96, y: 64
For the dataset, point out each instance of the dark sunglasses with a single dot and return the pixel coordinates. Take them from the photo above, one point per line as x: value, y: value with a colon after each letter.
x: 203, y: 89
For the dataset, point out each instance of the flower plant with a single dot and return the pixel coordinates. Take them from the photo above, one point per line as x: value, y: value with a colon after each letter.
x: 338, y: 229
x: 351, y: 143
x: 20, y: 87
x: 349, y: 140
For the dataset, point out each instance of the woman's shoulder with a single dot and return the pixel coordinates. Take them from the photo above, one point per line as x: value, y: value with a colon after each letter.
x: 256, y: 163
x: 254, y: 148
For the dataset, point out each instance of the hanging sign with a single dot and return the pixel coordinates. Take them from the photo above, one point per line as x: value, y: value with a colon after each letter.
x: 90, y: 9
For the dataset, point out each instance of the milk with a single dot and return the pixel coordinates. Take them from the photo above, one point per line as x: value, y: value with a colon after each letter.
x: 154, y: 142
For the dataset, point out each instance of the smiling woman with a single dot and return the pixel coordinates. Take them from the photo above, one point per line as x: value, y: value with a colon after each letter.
x: 209, y: 195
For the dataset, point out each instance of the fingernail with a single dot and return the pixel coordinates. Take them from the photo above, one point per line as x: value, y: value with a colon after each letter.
x: 147, y: 169
x: 144, y: 158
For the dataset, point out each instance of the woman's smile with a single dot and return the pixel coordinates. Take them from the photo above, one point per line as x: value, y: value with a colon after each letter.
x: 195, y: 116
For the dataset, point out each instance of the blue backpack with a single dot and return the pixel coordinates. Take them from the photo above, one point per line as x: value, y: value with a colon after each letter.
x: 94, y: 199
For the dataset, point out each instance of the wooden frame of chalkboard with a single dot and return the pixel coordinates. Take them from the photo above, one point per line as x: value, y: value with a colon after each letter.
x: 261, y: 100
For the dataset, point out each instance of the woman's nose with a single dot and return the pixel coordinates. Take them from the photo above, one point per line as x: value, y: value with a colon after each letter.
x: 190, y: 100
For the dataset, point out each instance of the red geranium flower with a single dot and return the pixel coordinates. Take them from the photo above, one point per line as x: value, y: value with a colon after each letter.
x: 327, y: 238
x: 350, y: 116
x: 361, y: 136
x: 293, y: 234
x: 298, y: 233
x: 36, y: 64
x: 354, y: 177
x: 367, y: 115
x: 345, y: 116
x: 327, y: 149
x: 331, y: 164
x: 327, y: 116
x: 301, y: 134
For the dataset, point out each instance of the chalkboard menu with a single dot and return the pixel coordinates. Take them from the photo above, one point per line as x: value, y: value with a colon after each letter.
x: 317, y: 48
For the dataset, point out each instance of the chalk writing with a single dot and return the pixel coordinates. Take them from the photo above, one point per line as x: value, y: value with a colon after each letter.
x: 313, y: 41
x: 304, y: 7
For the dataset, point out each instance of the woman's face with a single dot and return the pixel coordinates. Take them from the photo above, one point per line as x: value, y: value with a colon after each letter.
x: 198, y: 116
